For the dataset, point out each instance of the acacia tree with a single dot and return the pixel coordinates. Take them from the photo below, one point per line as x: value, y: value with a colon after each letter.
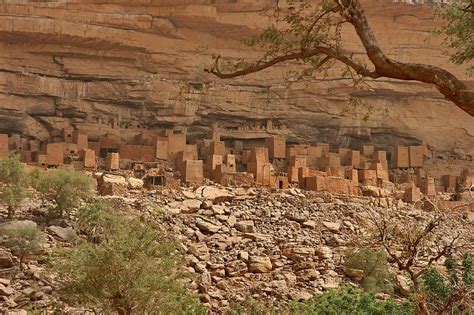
x: 311, y: 33
x: 414, y: 244
x: 459, y: 30
x: 15, y: 183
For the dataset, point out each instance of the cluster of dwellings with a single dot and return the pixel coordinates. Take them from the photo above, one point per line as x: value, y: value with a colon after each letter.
x: 266, y: 161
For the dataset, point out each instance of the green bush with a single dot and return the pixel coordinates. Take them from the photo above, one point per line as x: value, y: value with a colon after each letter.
x: 251, y: 307
x: 374, y: 264
x: 343, y: 301
x: 128, y: 271
x: 15, y: 182
x: 451, y: 293
x: 24, y: 239
x: 65, y: 187
x: 94, y: 218
x: 350, y: 301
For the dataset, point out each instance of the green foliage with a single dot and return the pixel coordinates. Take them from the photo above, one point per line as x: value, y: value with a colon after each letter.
x: 300, y: 26
x: 94, y: 218
x: 375, y: 266
x: 459, y: 31
x: 452, y: 292
x: 348, y: 300
x: 345, y: 300
x: 66, y: 187
x: 251, y: 307
x: 24, y: 239
x: 15, y: 182
x: 127, y: 271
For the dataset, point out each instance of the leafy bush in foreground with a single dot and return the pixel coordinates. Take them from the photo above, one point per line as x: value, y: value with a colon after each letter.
x: 66, y: 187
x: 374, y: 264
x: 15, y: 182
x: 128, y: 271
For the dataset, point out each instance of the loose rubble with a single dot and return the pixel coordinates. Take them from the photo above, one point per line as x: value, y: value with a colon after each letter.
x: 272, y: 245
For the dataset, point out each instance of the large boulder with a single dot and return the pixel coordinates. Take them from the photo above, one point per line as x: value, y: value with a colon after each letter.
x: 110, y: 184
x: 6, y: 260
x: 192, y: 204
x: 354, y: 274
x: 207, y: 227
x: 5, y: 291
x: 215, y: 194
x: 260, y: 264
x: 18, y: 224
x: 235, y: 268
x: 403, y: 285
x: 332, y: 226
x: 135, y: 183
x: 245, y: 226
x: 66, y: 234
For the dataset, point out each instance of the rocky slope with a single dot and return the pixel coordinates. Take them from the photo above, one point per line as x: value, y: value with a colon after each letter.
x: 272, y: 246
x: 118, y: 64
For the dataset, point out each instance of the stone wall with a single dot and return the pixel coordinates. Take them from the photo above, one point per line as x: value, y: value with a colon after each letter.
x: 129, y: 65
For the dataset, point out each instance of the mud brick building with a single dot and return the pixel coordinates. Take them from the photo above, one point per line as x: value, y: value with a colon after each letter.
x: 400, y: 157
x: 112, y: 162
x: 276, y: 147
x: 55, y: 153
x: 246, y: 153
x: 4, y: 147
x: 193, y: 171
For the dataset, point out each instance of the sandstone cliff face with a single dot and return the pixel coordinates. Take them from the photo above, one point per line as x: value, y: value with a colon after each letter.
x: 122, y: 65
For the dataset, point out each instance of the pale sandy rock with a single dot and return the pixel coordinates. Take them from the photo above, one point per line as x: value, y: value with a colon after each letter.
x: 17, y: 224
x: 244, y: 255
x: 207, y: 227
x: 135, y: 183
x: 258, y: 264
x: 309, y: 224
x: 218, y: 209
x: 213, y: 193
x: 5, y: 291
x: 301, y: 296
x: 67, y: 234
x: 235, y: 268
x: 324, y: 252
x: 245, y: 226
x: 192, y: 204
x: 332, y: 226
x: 5, y: 282
x: 354, y: 274
x: 6, y: 260
x: 110, y: 184
x: 188, y: 194
x: 403, y: 285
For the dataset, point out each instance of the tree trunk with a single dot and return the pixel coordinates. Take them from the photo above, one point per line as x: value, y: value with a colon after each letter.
x: 446, y: 83
x: 422, y: 305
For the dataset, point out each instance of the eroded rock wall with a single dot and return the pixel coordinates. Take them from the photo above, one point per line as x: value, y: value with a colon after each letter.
x: 120, y: 64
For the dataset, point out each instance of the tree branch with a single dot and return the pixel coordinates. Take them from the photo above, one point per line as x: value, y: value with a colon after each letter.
x: 352, y: 12
x: 361, y: 70
x: 446, y: 83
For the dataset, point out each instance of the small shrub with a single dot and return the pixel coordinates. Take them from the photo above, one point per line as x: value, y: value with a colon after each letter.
x: 65, y: 187
x: 251, y: 307
x: 374, y: 264
x: 25, y: 239
x: 451, y: 293
x: 15, y: 183
x: 128, y: 271
x: 94, y: 218
x: 347, y: 300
